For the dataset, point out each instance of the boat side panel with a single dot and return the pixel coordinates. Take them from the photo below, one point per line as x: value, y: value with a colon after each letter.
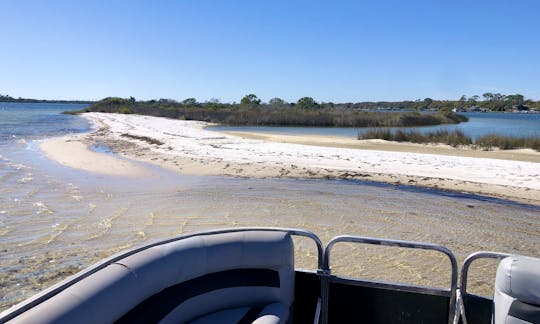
x: 359, y: 304
x: 307, y: 291
x: 478, y: 309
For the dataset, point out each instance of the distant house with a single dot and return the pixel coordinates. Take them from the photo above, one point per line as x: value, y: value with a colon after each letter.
x: 520, y: 107
x: 477, y: 109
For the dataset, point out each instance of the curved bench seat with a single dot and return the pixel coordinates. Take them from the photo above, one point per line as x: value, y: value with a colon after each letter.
x: 200, y: 279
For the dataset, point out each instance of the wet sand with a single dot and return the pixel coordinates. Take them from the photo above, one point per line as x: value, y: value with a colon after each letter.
x: 75, y: 152
x: 186, y: 147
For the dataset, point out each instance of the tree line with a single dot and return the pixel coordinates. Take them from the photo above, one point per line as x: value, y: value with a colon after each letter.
x: 487, y: 102
x: 251, y: 111
x: 8, y: 98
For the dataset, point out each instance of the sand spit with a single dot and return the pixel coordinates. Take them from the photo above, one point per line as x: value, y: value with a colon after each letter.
x: 75, y: 152
x: 185, y: 146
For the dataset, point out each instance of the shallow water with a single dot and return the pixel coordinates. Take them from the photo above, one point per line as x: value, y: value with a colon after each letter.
x: 60, y: 222
x: 55, y: 221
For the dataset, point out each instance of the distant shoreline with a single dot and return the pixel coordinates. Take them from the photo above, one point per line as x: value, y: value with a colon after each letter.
x: 22, y: 100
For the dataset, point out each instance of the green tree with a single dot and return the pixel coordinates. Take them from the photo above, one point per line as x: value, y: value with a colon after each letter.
x: 426, y: 104
x: 499, y: 97
x: 307, y: 103
x: 473, y: 99
x: 516, y: 99
x: 189, y: 102
x: 214, y: 103
x: 250, y: 100
x: 330, y: 105
x: 277, y: 102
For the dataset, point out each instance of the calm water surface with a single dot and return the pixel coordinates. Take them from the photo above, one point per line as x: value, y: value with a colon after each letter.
x: 55, y: 221
x: 479, y: 124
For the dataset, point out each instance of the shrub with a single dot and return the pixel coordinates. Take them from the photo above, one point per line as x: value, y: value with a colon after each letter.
x: 124, y: 110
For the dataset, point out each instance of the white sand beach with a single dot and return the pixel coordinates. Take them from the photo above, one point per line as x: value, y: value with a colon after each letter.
x: 185, y: 146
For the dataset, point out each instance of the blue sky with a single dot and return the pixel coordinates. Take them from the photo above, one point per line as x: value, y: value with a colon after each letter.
x: 330, y: 50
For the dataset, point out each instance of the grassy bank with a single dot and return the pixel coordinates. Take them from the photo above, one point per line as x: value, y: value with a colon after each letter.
x: 454, y: 138
x: 507, y: 143
x: 267, y: 115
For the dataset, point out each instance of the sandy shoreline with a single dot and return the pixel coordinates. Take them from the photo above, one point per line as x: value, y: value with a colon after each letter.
x: 185, y: 146
x: 525, y: 155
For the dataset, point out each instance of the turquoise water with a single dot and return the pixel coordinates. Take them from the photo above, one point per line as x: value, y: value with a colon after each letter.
x: 479, y: 124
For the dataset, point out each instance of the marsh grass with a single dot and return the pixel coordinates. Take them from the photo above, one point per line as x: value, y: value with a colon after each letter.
x: 454, y: 138
x: 489, y: 142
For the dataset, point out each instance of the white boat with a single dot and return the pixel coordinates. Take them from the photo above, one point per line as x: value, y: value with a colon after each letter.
x: 247, y: 275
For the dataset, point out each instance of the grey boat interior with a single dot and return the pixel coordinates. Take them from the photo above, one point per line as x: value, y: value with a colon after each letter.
x: 248, y: 275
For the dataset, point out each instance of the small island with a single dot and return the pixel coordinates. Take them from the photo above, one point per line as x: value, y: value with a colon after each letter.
x: 307, y: 112
x: 277, y: 112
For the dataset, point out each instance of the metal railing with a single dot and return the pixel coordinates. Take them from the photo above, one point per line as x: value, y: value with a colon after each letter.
x: 475, y: 256
x: 460, y: 313
x: 395, y: 243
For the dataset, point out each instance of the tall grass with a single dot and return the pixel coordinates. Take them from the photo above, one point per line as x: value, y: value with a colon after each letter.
x: 454, y: 138
x: 489, y: 142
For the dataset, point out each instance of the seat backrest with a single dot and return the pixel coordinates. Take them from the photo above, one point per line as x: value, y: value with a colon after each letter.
x: 180, y: 281
x: 517, y: 291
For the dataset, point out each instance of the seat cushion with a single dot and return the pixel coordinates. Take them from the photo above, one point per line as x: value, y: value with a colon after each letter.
x: 269, y: 314
x: 517, y: 291
x: 208, y: 273
x: 519, y: 277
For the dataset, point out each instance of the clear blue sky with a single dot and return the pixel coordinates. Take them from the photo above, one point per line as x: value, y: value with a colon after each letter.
x: 330, y: 50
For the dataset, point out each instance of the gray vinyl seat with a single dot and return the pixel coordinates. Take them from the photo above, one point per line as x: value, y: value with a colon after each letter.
x: 220, y: 278
x: 517, y: 291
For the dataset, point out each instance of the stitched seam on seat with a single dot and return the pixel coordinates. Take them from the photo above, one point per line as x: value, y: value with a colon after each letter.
x: 510, y: 277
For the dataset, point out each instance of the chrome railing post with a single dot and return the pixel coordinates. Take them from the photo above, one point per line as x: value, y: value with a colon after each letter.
x: 475, y: 256
x: 405, y: 244
x: 324, y: 274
